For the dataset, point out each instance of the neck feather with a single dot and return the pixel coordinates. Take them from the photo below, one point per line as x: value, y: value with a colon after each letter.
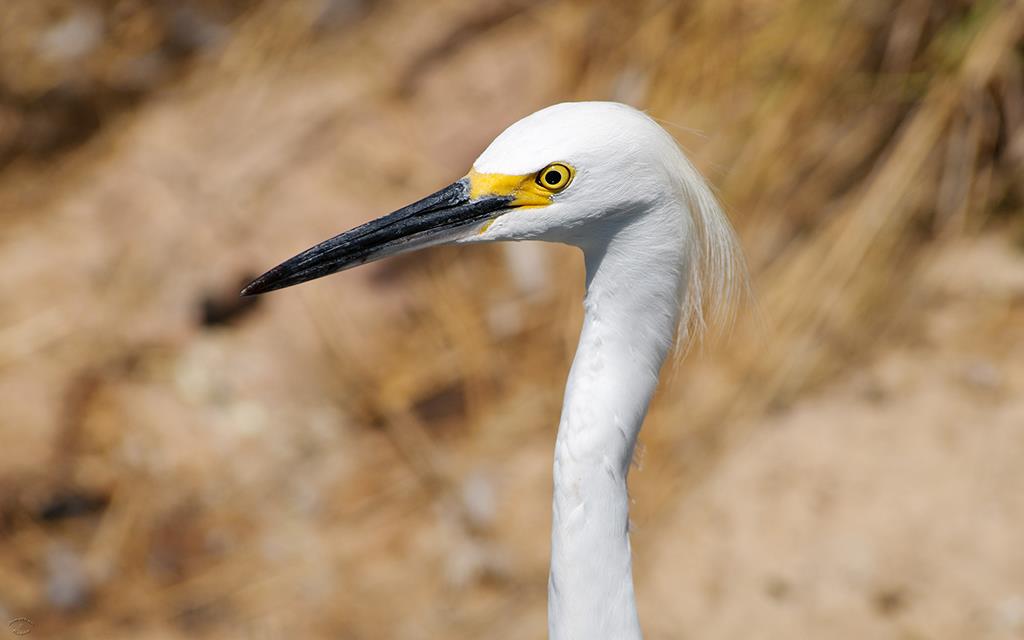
x: 632, y: 306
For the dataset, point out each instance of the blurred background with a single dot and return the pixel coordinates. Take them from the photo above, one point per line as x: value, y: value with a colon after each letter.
x: 369, y: 455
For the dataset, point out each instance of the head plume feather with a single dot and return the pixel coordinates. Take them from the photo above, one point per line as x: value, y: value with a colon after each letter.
x: 715, y: 278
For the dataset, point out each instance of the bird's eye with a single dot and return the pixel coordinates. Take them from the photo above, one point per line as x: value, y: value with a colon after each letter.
x: 555, y: 177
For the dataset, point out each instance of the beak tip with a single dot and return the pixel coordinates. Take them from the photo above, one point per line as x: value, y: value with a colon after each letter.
x: 254, y: 288
x: 412, y: 226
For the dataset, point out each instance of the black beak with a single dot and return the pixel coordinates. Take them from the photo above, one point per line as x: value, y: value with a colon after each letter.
x: 438, y: 218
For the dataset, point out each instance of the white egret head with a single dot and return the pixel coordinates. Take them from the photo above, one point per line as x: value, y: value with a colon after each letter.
x: 572, y: 173
x: 572, y: 165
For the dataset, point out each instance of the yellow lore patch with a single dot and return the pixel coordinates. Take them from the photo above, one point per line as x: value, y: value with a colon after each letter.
x: 528, y: 191
x: 524, y: 189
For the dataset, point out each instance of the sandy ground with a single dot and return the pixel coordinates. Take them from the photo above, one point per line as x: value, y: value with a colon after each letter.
x: 888, y: 505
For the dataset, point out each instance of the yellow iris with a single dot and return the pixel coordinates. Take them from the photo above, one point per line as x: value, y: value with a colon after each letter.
x: 555, y: 177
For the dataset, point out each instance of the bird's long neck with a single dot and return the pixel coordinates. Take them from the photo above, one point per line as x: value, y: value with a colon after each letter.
x: 632, y: 306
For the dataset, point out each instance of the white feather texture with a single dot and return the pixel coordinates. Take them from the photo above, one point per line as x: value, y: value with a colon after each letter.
x: 626, y: 163
x: 662, y: 264
x: 716, y: 271
x: 662, y: 261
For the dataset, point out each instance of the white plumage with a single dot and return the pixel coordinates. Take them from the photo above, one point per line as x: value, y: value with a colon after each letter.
x: 631, y: 167
x: 657, y: 248
x: 661, y: 259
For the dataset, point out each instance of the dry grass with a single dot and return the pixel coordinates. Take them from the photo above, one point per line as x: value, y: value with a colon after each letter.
x: 368, y: 456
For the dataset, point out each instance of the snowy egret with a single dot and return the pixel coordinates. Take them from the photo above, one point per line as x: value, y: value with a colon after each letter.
x: 660, y: 258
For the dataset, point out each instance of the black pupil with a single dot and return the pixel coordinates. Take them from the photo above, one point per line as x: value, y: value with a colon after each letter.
x: 552, y: 177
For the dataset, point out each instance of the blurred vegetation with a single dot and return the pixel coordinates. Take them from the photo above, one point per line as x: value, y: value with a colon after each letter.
x: 369, y: 456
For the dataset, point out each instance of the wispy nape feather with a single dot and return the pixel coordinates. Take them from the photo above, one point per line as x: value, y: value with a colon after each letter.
x: 715, y: 272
